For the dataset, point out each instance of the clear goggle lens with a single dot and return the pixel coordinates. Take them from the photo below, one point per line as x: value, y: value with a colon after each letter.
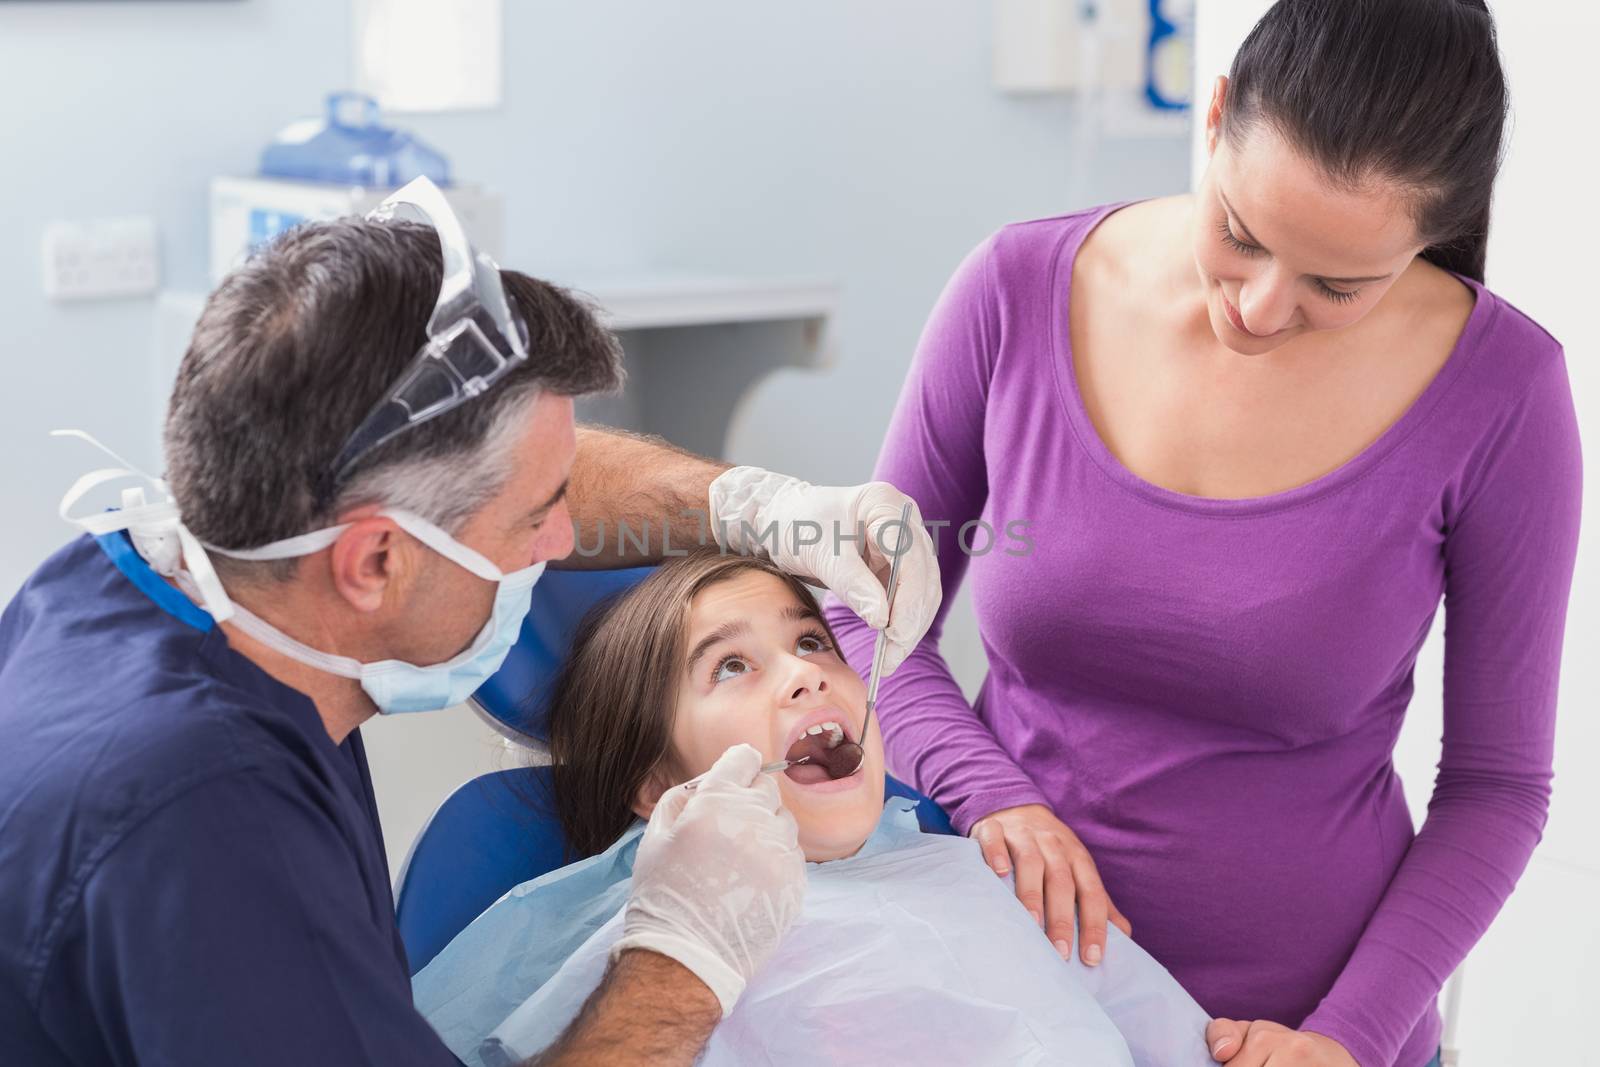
x: 473, y: 339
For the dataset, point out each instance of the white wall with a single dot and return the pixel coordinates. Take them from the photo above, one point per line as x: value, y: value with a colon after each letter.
x: 1529, y: 988
x: 857, y: 142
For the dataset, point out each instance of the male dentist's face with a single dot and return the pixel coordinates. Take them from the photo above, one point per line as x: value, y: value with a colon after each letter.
x: 526, y: 523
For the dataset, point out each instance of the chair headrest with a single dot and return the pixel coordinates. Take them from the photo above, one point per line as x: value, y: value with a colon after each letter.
x: 518, y: 694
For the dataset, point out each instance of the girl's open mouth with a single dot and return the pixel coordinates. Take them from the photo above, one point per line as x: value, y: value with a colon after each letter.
x: 832, y: 757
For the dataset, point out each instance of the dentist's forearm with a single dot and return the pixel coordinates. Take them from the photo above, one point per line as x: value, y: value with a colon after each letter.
x: 648, y: 1010
x: 633, y: 498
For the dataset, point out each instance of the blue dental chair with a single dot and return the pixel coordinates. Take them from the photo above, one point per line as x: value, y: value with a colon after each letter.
x: 499, y: 830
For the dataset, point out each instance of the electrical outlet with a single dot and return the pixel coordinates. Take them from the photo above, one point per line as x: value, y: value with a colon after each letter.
x: 100, y: 258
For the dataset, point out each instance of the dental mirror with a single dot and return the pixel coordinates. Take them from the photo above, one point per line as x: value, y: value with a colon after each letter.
x: 829, y: 750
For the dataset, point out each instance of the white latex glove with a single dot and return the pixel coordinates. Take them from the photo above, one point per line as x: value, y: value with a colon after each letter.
x: 748, y: 502
x: 719, y: 876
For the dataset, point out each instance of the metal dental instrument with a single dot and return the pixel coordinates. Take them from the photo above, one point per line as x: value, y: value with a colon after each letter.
x: 774, y: 767
x: 902, y: 543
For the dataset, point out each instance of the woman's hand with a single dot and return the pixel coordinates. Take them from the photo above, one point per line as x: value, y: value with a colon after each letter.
x: 1267, y: 1044
x: 1054, y: 875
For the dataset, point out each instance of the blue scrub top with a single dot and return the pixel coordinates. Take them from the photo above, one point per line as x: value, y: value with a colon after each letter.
x: 191, y: 871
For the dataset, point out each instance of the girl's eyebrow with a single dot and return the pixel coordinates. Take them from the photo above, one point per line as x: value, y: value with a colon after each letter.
x: 797, y: 612
x: 726, y: 632
x: 738, y: 627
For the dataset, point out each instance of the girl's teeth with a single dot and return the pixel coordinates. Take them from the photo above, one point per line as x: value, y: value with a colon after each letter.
x: 835, y: 731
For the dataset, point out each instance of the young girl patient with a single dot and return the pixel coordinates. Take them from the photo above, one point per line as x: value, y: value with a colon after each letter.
x: 909, y: 949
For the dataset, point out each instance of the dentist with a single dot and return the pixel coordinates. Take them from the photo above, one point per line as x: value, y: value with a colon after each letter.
x: 362, y: 496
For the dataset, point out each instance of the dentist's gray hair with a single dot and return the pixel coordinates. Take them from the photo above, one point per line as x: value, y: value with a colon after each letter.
x: 448, y: 490
x: 297, y: 345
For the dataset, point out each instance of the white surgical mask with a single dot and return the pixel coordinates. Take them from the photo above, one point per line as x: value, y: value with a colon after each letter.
x: 158, y: 533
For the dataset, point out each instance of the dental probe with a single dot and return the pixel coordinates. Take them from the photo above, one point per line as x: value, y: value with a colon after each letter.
x: 882, y: 644
x: 766, y: 768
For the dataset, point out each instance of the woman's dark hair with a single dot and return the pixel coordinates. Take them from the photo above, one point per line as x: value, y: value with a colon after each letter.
x: 1409, y: 90
x: 613, y: 706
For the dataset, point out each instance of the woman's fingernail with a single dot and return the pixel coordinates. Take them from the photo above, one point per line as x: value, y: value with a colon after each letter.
x: 1065, y: 949
x: 1002, y: 871
x: 1037, y: 918
x: 1220, y: 1045
x: 1092, y: 955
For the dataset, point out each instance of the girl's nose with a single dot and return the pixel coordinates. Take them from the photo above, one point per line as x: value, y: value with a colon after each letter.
x: 800, y: 678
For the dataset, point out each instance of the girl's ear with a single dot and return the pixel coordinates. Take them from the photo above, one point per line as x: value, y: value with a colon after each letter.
x: 649, y: 793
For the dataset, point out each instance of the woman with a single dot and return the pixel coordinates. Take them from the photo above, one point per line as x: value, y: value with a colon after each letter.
x: 1256, y: 433
x: 907, y: 949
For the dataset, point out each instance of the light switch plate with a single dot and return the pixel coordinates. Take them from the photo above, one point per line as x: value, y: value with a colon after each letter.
x: 96, y: 259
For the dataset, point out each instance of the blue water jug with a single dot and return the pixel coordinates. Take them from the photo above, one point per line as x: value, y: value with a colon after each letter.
x: 350, y: 147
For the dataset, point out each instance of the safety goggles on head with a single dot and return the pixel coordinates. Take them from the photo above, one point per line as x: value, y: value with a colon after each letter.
x: 473, y: 339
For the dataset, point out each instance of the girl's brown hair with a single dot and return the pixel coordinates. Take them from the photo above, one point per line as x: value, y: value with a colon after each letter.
x: 613, y: 706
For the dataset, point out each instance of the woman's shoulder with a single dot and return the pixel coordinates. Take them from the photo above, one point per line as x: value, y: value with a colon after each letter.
x: 1510, y: 349
x: 1509, y: 324
x: 1012, y: 272
x: 1025, y: 247
x: 1052, y: 227
x: 1512, y: 408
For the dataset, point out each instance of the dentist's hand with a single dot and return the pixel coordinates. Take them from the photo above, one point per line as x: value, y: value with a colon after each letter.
x: 840, y: 537
x: 1054, y: 875
x: 719, y: 876
x: 1267, y: 1044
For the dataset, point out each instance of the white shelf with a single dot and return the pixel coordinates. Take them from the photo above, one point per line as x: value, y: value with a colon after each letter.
x: 664, y: 301
x: 696, y: 346
x: 628, y: 303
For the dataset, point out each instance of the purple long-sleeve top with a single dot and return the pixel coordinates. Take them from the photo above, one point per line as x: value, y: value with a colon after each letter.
x: 1208, y: 691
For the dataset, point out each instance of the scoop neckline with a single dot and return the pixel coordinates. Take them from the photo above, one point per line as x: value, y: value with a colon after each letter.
x: 1088, y: 435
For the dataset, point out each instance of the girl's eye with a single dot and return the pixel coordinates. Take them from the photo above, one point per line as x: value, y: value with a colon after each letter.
x: 735, y: 665
x: 1233, y: 242
x: 812, y: 643
x: 729, y: 667
x: 1338, y: 296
